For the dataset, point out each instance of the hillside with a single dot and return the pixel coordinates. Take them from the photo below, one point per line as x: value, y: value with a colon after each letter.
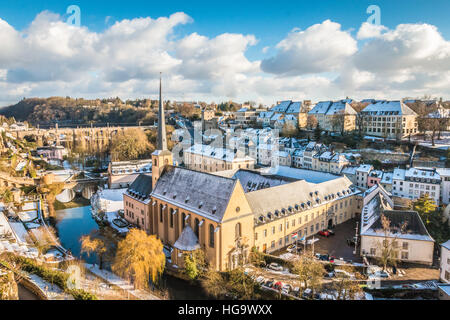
x: 73, y: 111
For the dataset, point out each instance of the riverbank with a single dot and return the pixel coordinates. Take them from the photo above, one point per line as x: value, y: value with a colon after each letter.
x: 75, y: 203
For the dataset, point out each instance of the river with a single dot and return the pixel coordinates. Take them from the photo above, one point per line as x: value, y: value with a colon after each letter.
x: 73, y: 223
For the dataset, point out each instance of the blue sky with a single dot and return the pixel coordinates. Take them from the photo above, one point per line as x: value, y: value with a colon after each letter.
x: 215, y: 50
x: 268, y: 20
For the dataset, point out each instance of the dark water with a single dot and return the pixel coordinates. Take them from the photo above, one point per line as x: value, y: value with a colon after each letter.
x: 71, y: 225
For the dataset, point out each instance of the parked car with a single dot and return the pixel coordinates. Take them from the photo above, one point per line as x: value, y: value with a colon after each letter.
x: 269, y: 283
x: 344, y: 274
x: 331, y: 259
x: 307, y: 293
x: 275, y: 266
x: 351, y: 242
x: 296, y: 291
x: 260, y: 280
x: 329, y: 274
x: 324, y: 233
x: 278, y: 285
x: 331, y: 232
x: 291, y: 248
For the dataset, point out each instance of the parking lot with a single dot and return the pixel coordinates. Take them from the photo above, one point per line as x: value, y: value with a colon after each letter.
x: 336, y: 245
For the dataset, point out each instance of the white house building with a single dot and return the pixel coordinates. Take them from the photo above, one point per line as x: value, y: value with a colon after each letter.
x: 444, y: 270
x: 414, y: 183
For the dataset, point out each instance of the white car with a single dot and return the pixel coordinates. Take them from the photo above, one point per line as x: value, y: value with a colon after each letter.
x: 260, y: 280
x: 342, y: 273
x: 275, y: 266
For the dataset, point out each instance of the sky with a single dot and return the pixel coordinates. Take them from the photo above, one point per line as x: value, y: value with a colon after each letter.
x: 264, y: 51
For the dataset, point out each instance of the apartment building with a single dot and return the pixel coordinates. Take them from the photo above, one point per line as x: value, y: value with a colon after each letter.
x: 362, y: 175
x: 408, y: 235
x: 334, y: 116
x: 121, y: 174
x: 329, y: 161
x: 413, y: 183
x: 389, y: 119
x: 444, y: 269
x: 444, y: 173
x: 207, y: 158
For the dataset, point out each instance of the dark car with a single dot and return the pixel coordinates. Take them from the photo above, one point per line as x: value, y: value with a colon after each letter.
x: 351, y: 242
x: 269, y: 283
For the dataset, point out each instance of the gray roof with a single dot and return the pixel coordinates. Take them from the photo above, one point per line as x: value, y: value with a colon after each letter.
x: 142, y: 185
x: 187, y: 241
x: 415, y: 229
x: 446, y: 244
x: 298, y: 194
x: 332, y: 108
x: 203, y: 193
x: 388, y: 108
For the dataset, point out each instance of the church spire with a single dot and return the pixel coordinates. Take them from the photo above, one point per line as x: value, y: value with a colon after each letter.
x: 162, y: 141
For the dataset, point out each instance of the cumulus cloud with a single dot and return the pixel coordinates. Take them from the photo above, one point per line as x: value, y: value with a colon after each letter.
x: 50, y: 57
x: 320, y: 48
x: 370, y: 30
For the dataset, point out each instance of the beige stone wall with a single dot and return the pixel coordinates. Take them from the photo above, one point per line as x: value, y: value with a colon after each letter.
x: 209, y: 164
x: 418, y: 251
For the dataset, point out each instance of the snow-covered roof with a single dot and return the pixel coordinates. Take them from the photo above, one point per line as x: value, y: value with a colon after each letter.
x: 187, y: 241
x: 199, y: 192
x: 422, y: 173
x: 386, y: 108
x: 366, y: 168
x: 294, y: 107
x: 282, y: 106
x: 217, y: 153
x: 414, y: 230
x: 351, y: 170
x: 446, y: 244
x: 332, y: 108
x: 266, y: 114
x: 399, y: 174
x: 387, y: 178
x: 445, y: 172
x: 301, y: 174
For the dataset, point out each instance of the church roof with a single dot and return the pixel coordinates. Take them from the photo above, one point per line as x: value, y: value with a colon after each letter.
x: 142, y: 185
x: 203, y: 193
x: 187, y: 241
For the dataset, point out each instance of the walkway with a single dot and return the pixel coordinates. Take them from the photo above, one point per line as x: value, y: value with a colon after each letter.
x: 121, y: 283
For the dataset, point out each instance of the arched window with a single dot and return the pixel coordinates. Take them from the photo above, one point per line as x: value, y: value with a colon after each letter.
x: 171, y: 218
x: 211, y: 236
x: 183, y: 223
x: 238, y: 230
x: 196, y: 227
x: 160, y: 213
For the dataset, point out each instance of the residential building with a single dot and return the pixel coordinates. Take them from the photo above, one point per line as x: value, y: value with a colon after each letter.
x: 121, y: 174
x: 407, y: 234
x: 245, y: 117
x: 362, y: 175
x: 386, y: 181
x: 329, y: 161
x: 207, y: 158
x: 389, y: 119
x: 374, y: 178
x: 414, y: 183
x: 337, y: 116
x: 350, y: 173
x: 444, y: 268
x: 444, y: 173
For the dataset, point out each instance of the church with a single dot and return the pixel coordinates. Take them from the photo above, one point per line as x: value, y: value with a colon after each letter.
x: 227, y: 213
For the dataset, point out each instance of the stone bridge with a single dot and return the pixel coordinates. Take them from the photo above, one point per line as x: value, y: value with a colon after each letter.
x: 102, y: 135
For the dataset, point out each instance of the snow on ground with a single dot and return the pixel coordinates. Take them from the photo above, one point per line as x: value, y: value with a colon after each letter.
x: 302, y: 174
x: 110, y: 216
x: 110, y: 199
x: 52, y: 291
x: 29, y: 206
x: 20, y: 232
x: 119, y: 282
x: 27, y: 216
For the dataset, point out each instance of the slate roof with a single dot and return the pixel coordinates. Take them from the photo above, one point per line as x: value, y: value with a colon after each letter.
x: 385, y: 108
x: 332, y: 108
x: 268, y: 201
x: 141, y: 186
x: 187, y: 241
x: 200, y: 192
x: 446, y: 245
x: 415, y: 229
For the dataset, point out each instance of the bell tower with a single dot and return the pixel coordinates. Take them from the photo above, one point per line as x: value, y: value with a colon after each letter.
x: 161, y: 156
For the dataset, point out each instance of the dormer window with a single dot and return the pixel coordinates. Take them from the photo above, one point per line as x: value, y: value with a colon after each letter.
x: 200, y: 205
x: 214, y: 210
x: 164, y: 192
x: 187, y: 199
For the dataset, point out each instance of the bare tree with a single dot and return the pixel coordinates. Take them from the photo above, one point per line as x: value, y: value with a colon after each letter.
x: 389, y: 247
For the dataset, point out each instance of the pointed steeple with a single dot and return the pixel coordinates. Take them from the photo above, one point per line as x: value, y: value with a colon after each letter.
x: 162, y: 141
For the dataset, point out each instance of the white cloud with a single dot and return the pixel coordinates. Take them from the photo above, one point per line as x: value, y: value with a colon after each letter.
x: 320, y: 48
x: 50, y: 58
x: 370, y: 30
